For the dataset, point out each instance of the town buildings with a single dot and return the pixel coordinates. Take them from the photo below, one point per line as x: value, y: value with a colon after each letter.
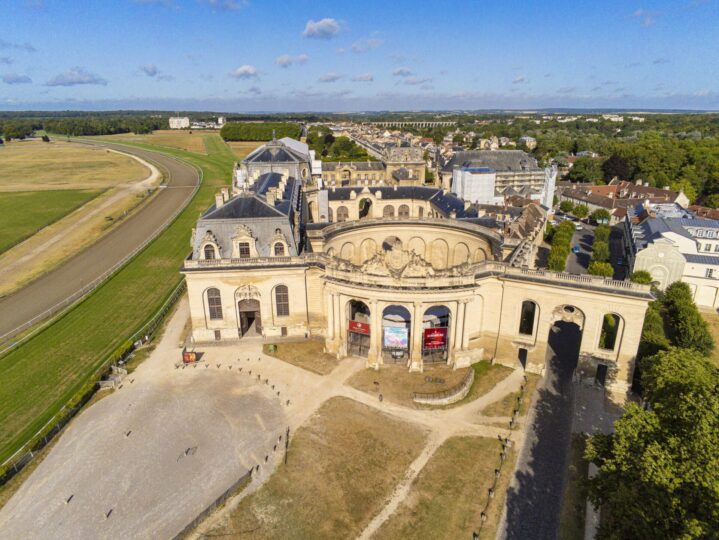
x: 179, y: 122
x: 394, y: 274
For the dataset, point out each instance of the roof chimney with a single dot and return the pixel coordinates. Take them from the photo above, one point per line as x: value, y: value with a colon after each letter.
x: 219, y: 200
x: 270, y: 197
x: 225, y: 194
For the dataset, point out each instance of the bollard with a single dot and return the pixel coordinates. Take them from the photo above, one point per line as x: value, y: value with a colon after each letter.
x: 288, y: 403
x: 67, y: 501
x: 496, y: 473
x: 266, y: 458
x: 108, y: 513
x: 491, y: 493
x: 274, y: 448
x: 483, y: 517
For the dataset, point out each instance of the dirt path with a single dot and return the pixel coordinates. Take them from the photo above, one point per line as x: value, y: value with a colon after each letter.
x: 69, y: 235
x: 72, y: 275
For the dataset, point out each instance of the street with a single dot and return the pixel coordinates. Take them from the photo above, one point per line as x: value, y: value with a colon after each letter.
x: 577, y: 263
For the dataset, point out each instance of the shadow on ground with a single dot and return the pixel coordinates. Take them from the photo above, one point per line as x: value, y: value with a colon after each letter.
x: 534, y: 500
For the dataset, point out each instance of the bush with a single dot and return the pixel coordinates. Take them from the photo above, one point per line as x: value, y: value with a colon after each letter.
x: 601, y: 269
x: 600, y: 251
x: 641, y: 276
x: 258, y: 131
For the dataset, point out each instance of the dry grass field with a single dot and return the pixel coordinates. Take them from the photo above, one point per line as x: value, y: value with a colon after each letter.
x: 191, y: 141
x: 308, y: 355
x: 342, y: 466
x: 447, y: 498
x: 506, y: 405
x: 35, y: 165
x: 242, y: 148
x: 712, y: 318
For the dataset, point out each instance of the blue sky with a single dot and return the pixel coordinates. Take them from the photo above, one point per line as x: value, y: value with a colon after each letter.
x: 297, y: 55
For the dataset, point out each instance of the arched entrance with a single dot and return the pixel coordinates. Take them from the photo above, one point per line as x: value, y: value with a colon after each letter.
x: 564, y: 341
x: 358, y: 328
x: 250, y: 321
x: 396, y: 324
x: 435, y: 337
x: 365, y: 208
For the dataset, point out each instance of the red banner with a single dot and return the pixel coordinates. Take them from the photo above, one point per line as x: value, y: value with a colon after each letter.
x: 359, y: 327
x: 435, y: 338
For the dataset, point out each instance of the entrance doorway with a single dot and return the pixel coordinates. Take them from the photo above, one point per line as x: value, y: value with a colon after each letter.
x: 564, y: 341
x: 358, y: 328
x: 435, y: 338
x: 396, y: 324
x: 250, y: 320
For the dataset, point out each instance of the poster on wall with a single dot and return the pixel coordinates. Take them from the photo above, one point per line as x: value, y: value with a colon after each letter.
x: 435, y: 338
x: 359, y: 327
x: 396, y: 337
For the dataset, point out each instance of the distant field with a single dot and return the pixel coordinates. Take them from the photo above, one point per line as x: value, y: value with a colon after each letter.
x: 35, y: 165
x: 192, y: 141
x: 242, y: 148
x: 23, y: 213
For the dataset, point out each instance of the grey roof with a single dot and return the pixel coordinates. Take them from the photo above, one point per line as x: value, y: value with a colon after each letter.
x: 243, y: 207
x: 357, y: 165
x: 275, y: 152
x: 702, y: 259
x: 446, y: 203
x: 499, y: 160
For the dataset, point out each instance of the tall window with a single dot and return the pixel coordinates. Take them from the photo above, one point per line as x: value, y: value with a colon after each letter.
x: 244, y: 248
x: 403, y: 211
x: 608, y: 335
x: 214, y: 303
x: 279, y: 249
x: 526, y: 320
x: 420, y: 211
x: 282, y: 301
x: 388, y: 211
x: 209, y: 251
x: 342, y: 214
x: 709, y: 273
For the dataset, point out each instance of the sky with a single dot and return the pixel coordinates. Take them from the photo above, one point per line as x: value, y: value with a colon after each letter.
x: 343, y: 56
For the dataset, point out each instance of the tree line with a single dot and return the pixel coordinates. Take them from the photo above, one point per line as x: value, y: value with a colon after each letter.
x: 331, y: 148
x: 259, y: 131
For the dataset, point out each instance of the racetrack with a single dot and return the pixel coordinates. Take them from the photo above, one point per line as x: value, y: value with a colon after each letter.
x: 67, y: 279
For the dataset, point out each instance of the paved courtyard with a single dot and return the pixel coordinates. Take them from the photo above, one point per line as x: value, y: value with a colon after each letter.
x: 153, y: 454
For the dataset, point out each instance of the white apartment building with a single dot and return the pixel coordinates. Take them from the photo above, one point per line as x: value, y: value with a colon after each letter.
x: 179, y: 122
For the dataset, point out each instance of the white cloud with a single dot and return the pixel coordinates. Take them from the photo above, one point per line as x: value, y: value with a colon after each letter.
x: 226, y: 5
x: 75, y: 76
x: 27, y: 47
x: 12, y: 78
x: 329, y: 78
x: 366, y: 44
x: 402, y: 72
x: 245, y: 71
x: 326, y: 28
x: 520, y: 79
x: 364, y: 77
x: 150, y: 70
x: 286, y: 60
x: 415, y: 81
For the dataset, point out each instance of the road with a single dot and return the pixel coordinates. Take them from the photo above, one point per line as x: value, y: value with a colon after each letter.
x: 535, y: 494
x: 577, y: 263
x: 72, y: 275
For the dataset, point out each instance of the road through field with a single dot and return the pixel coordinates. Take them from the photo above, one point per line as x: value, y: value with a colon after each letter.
x: 71, y: 276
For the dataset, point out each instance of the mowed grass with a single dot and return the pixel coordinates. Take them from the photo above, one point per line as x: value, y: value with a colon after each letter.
x: 41, y: 376
x: 189, y: 140
x: 308, y: 354
x: 447, y: 498
x: 35, y: 165
x: 342, y: 466
x: 712, y: 319
x: 242, y: 148
x: 24, y: 213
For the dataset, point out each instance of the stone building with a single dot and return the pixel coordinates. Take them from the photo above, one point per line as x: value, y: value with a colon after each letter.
x: 397, y: 275
x: 400, y: 165
x: 179, y: 122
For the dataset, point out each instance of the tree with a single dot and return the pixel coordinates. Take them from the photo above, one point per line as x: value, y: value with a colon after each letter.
x: 688, y: 329
x: 581, y: 211
x: 586, y: 169
x: 601, y: 233
x: 642, y: 277
x: 601, y: 215
x: 566, y: 206
x: 616, y: 167
x: 601, y: 269
x: 600, y: 251
x: 658, y: 472
x: 712, y: 201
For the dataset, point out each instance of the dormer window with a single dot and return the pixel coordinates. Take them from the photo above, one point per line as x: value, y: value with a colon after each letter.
x: 244, y: 250
x: 279, y: 249
x: 210, y: 252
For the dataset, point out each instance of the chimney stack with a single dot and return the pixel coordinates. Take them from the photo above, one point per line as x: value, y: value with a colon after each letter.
x: 219, y: 200
x: 270, y: 196
x: 225, y: 194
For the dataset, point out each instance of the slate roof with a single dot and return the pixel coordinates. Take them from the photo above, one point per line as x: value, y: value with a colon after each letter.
x: 702, y: 259
x: 241, y: 208
x: 357, y: 165
x: 275, y: 152
x: 499, y: 160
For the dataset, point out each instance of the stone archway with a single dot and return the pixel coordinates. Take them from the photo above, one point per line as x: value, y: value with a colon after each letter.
x: 358, y: 328
x: 396, y: 330
x: 564, y: 342
x: 436, y: 326
x: 250, y: 319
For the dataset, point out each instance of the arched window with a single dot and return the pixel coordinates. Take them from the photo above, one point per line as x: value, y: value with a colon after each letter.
x: 210, y: 251
x: 420, y: 211
x: 403, y: 211
x: 279, y: 249
x: 214, y: 304
x: 526, y: 320
x: 330, y: 215
x: 342, y: 214
x: 610, y: 330
x: 388, y: 211
x: 282, y: 301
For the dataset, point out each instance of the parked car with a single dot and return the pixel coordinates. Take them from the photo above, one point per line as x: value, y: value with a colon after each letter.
x: 578, y: 226
x: 576, y: 249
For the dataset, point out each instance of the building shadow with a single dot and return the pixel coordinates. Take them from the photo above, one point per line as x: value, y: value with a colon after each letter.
x: 535, y: 497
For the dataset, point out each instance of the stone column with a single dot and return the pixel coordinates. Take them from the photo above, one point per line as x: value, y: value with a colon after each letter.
x: 416, y: 345
x: 374, y: 355
x: 331, y: 316
x: 465, y: 334
x: 341, y: 317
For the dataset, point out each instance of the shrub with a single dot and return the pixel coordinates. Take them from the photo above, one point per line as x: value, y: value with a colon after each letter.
x: 600, y: 251
x: 566, y: 206
x: 641, y: 276
x: 601, y: 269
x: 601, y: 233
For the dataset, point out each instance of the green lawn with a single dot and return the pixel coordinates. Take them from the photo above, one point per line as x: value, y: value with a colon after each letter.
x: 24, y: 213
x: 41, y: 376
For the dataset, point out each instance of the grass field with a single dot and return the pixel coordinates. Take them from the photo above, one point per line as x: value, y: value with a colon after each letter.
x: 308, y: 355
x: 23, y: 213
x: 713, y: 320
x: 447, y: 498
x: 35, y: 165
x: 191, y: 141
x: 342, y: 465
x: 506, y: 405
x: 41, y: 376
x: 242, y: 148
